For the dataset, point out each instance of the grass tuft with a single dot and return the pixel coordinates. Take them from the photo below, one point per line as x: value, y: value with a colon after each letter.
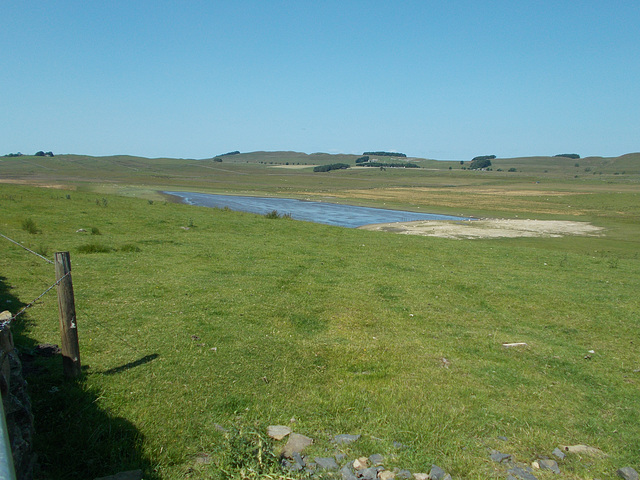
x: 94, y: 248
x: 29, y: 225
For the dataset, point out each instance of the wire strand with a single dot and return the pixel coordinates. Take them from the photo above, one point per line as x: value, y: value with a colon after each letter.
x: 30, y: 251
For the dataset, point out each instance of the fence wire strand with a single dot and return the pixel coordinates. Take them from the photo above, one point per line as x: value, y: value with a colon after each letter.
x: 30, y: 251
x: 31, y: 304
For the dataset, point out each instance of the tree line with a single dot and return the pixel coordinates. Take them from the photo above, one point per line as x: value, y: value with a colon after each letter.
x: 385, y: 154
x: 333, y: 166
x: 37, y: 154
x: 390, y: 165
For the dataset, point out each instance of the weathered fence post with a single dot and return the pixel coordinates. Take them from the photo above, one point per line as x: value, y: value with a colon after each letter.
x: 67, y: 310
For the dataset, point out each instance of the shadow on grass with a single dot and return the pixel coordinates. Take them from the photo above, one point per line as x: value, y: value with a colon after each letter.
x: 75, y: 438
x: 130, y: 365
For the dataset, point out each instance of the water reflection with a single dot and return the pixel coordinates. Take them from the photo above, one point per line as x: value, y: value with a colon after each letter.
x: 318, y: 212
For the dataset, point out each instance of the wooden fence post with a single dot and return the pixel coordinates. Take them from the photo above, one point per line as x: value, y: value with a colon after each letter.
x: 67, y: 310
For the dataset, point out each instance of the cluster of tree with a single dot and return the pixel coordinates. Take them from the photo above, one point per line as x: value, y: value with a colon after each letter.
x: 575, y: 156
x: 385, y: 154
x: 484, y: 157
x: 236, y: 152
x: 333, y: 166
x: 362, y: 159
x: 38, y: 154
x: 217, y: 159
x: 480, y: 162
x: 390, y: 165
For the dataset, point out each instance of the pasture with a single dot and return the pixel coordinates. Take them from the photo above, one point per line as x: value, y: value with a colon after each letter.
x: 200, y: 327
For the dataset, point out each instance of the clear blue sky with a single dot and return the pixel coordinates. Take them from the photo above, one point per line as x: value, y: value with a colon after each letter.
x: 436, y: 79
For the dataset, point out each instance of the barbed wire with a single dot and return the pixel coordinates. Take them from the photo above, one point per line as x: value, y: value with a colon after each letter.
x: 30, y: 251
x: 31, y: 304
x: 24, y: 309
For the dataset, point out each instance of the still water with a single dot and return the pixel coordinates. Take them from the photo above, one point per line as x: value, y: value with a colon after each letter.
x: 318, y: 212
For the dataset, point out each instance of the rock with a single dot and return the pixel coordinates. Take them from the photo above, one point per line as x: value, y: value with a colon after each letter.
x: 347, y: 474
x: 361, y: 463
x: 398, y: 445
x: 296, y: 444
x: 130, y: 475
x: 521, y: 473
x: 403, y: 474
x: 293, y: 466
x: 203, y: 459
x: 299, y: 460
x: 370, y: 473
x: 326, y: 463
x: 558, y: 453
x: 517, y: 344
x: 421, y: 476
x: 345, y: 438
x: 436, y: 473
x: 340, y: 457
x: 535, y: 465
x: 504, y: 439
x: 46, y: 350
x: 628, y: 473
x: 278, y: 432
x: 376, y: 459
x: 81, y: 230
x: 500, y: 457
x: 220, y: 428
x: 585, y: 449
x: 386, y: 475
x: 549, y: 465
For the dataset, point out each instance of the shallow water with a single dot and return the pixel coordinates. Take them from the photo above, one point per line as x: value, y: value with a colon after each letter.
x: 318, y: 212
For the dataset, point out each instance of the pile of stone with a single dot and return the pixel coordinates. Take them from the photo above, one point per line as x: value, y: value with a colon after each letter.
x: 373, y: 467
x: 362, y: 468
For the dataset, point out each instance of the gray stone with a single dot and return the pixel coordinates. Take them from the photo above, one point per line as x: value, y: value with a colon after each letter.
x: 345, y: 438
x: 627, y: 473
x: 558, y: 453
x: 347, y: 473
x: 220, y: 428
x: 376, y: 459
x: 521, y: 473
x: 549, y: 465
x: 403, y: 474
x: 296, y: 444
x: 436, y: 473
x: 370, y: 473
x: 203, y: 458
x: 504, y: 439
x: 399, y: 445
x: 326, y: 463
x: 500, y: 457
x: 130, y: 475
x: 340, y: 457
x: 278, y: 432
x: 294, y: 466
x: 299, y: 460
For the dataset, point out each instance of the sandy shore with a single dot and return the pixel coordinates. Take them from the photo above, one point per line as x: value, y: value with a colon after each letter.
x: 489, y: 228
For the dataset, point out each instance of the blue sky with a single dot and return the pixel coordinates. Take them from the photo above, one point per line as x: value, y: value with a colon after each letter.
x: 446, y: 79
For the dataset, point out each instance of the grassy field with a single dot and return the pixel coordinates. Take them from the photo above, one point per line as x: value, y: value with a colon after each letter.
x: 191, y: 319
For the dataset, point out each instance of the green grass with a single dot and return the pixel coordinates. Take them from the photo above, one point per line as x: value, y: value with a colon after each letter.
x: 242, y: 321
